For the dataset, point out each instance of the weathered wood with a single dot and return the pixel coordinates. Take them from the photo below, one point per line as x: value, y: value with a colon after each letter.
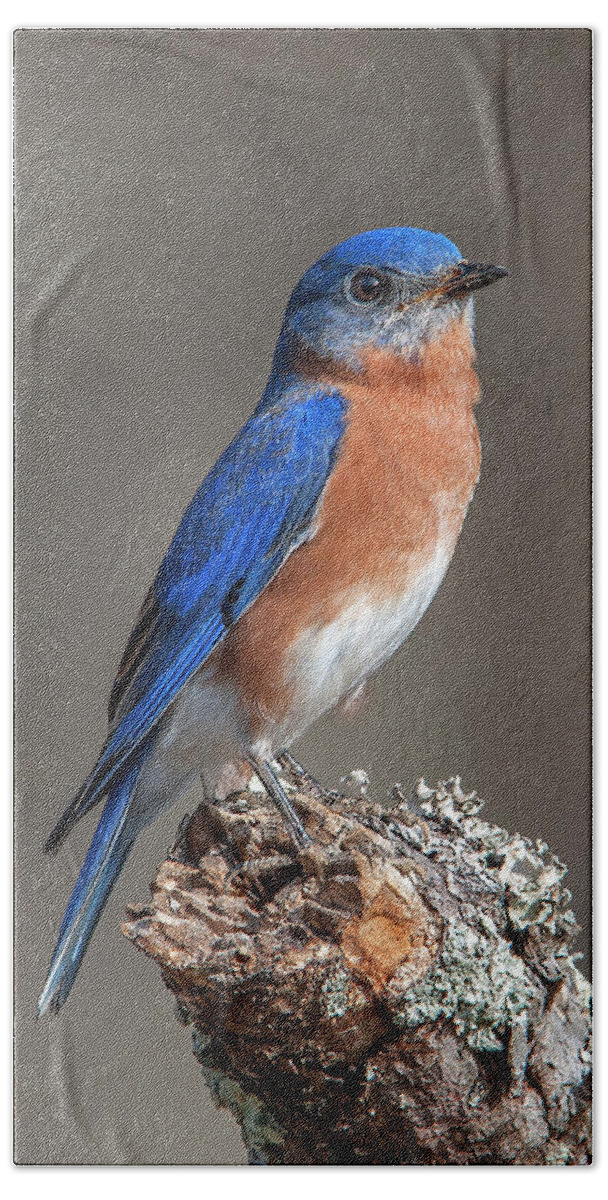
x: 401, y: 992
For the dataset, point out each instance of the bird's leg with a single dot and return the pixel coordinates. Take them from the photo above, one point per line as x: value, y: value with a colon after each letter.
x: 264, y: 772
x: 285, y: 759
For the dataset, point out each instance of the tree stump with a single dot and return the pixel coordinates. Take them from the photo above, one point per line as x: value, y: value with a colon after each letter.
x: 402, y: 991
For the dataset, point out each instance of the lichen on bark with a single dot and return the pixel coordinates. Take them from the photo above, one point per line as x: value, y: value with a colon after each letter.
x: 402, y: 991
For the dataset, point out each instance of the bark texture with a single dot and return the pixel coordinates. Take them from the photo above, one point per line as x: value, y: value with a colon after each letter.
x: 401, y: 992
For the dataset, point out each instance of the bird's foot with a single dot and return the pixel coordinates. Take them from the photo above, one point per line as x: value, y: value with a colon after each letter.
x: 299, y: 773
x: 277, y: 793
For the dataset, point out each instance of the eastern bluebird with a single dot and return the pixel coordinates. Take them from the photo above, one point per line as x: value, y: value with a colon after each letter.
x: 308, y: 554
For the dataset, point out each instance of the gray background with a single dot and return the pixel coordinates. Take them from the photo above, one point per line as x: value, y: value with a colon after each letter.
x: 171, y: 187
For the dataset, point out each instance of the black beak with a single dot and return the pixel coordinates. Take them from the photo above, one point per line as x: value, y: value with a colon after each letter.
x: 468, y: 277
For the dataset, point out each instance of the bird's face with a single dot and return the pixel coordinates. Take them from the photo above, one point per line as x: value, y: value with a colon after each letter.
x: 392, y: 289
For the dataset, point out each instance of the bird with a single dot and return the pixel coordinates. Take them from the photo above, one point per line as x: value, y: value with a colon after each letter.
x: 307, y: 556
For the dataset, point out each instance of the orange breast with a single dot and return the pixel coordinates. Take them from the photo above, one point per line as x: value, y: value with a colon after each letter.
x: 404, y: 477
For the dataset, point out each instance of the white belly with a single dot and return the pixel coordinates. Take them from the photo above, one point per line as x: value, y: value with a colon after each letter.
x: 327, y: 661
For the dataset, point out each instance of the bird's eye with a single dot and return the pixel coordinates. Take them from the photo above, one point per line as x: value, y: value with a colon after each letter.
x: 369, y: 286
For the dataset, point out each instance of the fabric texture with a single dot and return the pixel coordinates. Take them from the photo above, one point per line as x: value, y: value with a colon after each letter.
x: 171, y: 187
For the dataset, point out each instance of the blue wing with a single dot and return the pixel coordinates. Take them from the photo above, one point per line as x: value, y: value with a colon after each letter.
x: 250, y: 512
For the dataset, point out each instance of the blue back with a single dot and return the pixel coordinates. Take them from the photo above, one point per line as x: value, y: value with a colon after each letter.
x: 251, y: 511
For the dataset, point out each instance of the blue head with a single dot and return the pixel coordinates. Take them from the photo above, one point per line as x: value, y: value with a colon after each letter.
x: 392, y: 289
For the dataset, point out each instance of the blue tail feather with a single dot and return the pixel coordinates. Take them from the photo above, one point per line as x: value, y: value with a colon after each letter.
x: 109, y: 849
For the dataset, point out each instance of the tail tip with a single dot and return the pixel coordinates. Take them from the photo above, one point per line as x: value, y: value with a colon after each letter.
x: 45, y: 1005
x: 54, y: 840
x: 54, y: 993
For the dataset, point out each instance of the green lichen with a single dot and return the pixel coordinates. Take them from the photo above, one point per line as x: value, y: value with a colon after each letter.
x: 477, y: 983
x: 263, y: 1136
x: 582, y: 987
x: 529, y: 874
x: 558, y: 1154
x: 339, y: 995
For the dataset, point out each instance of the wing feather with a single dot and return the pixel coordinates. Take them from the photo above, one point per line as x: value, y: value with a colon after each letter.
x: 250, y: 512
